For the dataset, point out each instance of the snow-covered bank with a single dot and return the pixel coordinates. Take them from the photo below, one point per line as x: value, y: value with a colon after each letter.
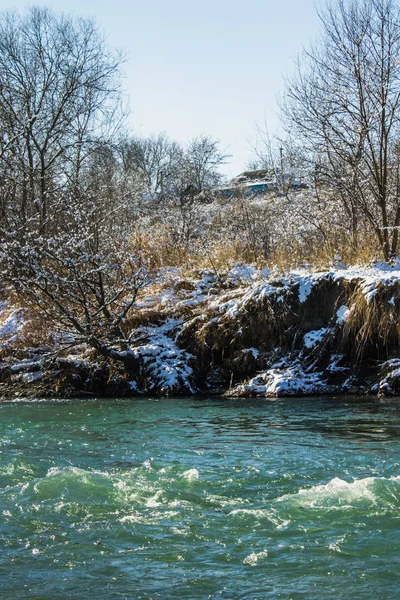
x: 244, y: 332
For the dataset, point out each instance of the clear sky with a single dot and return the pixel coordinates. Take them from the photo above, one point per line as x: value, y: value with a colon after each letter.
x: 211, y: 67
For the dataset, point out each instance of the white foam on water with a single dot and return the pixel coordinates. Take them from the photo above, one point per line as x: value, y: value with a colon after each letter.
x: 74, y: 471
x: 131, y: 518
x: 253, y: 558
x: 221, y: 501
x: 259, y: 513
x: 155, y: 500
x: 339, y: 493
x: 191, y: 475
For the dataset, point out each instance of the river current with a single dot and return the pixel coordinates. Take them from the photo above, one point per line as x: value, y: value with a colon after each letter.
x: 200, y: 499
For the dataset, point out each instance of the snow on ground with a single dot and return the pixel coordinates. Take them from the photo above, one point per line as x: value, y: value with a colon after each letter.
x: 26, y: 365
x: 214, y: 296
x: 27, y: 377
x: 334, y: 365
x: 210, y: 296
x: 342, y: 314
x: 168, y: 367
x: 231, y: 291
x: 369, y: 277
x: 292, y: 380
x: 389, y: 384
x: 306, y: 281
x: 312, y: 338
x: 11, y: 324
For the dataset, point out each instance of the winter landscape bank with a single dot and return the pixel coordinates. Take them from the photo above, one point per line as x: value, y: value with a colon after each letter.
x: 247, y: 332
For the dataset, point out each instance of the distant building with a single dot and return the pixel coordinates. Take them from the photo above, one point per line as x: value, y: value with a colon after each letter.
x: 259, y: 183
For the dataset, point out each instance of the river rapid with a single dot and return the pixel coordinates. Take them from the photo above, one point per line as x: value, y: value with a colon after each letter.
x: 188, y: 498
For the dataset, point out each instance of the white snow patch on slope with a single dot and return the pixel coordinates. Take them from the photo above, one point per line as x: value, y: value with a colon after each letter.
x: 242, y: 273
x: 312, y: 338
x: 371, y: 277
x: 342, y: 314
x: 306, y: 285
x: 168, y: 366
x: 11, y: 325
x: 289, y: 381
x: 391, y: 378
x: 231, y: 291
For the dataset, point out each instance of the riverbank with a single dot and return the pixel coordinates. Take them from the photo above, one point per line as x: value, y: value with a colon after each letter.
x: 246, y: 332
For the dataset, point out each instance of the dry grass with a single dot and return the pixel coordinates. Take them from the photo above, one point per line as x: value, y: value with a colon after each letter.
x: 372, y: 330
x: 159, y: 248
x: 142, y: 317
x: 259, y: 322
x: 219, y: 251
x: 324, y: 253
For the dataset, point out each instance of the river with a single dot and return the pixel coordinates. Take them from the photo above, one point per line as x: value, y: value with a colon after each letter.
x: 200, y: 499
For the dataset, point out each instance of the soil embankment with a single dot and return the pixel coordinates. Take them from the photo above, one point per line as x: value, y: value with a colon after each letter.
x: 246, y: 332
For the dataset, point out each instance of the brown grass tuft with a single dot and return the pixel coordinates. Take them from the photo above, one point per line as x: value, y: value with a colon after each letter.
x: 372, y: 330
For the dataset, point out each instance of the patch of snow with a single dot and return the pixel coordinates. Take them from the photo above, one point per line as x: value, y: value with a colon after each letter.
x: 290, y: 381
x: 167, y: 273
x: 12, y: 325
x: 385, y: 385
x: 306, y: 281
x: 73, y: 361
x: 244, y: 273
x: 393, y: 362
x: 30, y: 377
x: 305, y: 288
x: 26, y: 365
x: 350, y: 383
x: 342, y: 314
x: 254, y: 352
x: 371, y: 277
x: 227, y: 304
x: 27, y: 377
x: 260, y: 291
x: 334, y: 367
x: 168, y: 367
x: 312, y: 338
x: 61, y: 338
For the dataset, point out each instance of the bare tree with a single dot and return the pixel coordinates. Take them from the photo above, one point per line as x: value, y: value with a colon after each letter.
x: 170, y: 170
x: 201, y: 163
x: 84, y: 281
x: 59, y: 92
x: 344, y: 106
x: 156, y: 160
x: 281, y: 157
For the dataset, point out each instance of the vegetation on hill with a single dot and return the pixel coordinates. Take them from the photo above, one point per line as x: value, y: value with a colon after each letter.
x: 94, y: 219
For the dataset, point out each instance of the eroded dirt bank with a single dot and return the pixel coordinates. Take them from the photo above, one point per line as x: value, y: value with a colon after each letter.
x: 245, y: 332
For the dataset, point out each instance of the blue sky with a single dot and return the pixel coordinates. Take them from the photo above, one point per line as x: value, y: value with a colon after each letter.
x: 210, y: 67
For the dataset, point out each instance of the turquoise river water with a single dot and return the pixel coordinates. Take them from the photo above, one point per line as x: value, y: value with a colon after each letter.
x: 188, y: 498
